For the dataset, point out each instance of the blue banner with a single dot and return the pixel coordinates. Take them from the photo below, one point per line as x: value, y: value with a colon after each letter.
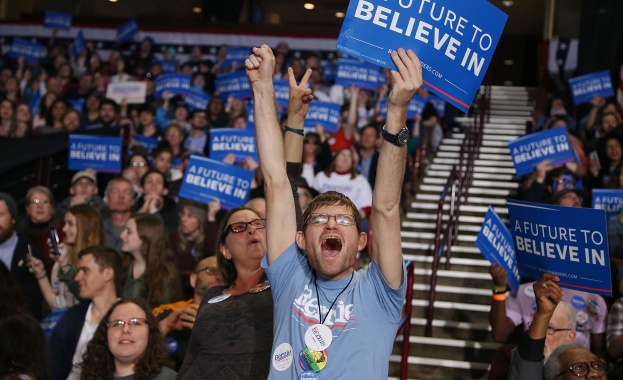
x: 240, y: 142
x: 235, y: 84
x: 250, y: 119
x: 206, y: 179
x: 282, y: 93
x: 587, y: 86
x: 362, y: 74
x: 454, y: 40
x: 79, y: 44
x: 496, y: 244
x: 609, y: 200
x: 196, y: 100
x: 127, y: 31
x: 323, y: 113
x: 570, y: 242
x: 57, y: 20
x: 100, y: 153
x: 149, y: 143
x: 35, y: 103
x: 236, y: 54
x: 77, y: 104
x: 329, y: 70
x: 31, y: 51
x: 415, y: 107
x: 177, y: 84
x: 167, y: 67
x: 528, y: 151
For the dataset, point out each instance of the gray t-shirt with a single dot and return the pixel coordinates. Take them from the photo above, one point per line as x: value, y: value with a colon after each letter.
x: 166, y: 373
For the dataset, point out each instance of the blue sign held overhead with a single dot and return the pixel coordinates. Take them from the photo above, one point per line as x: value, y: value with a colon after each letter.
x: 79, y: 44
x: 31, y: 51
x: 149, y: 143
x: 235, y: 84
x: 206, y: 179
x: 323, y: 113
x: 570, y: 242
x: 100, y: 153
x: 496, y: 244
x: 440, y: 104
x: 35, y: 103
x: 585, y: 87
x: 282, y: 93
x: 177, y: 84
x: 57, y: 20
x: 167, y: 67
x: 196, y: 100
x: 609, y: 200
x: 240, y: 142
x: 236, y: 54
x: 362, y: 74
x: 329, y: 70
x: 528, y: 151
x: 454, y: 40
x: 127, y: 31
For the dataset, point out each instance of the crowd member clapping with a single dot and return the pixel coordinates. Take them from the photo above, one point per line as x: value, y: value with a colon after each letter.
x: 127, y: 345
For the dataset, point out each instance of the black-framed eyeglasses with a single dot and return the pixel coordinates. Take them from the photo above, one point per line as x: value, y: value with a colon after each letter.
x: 141, y: 164
x: 242, y: 226
x: 310, y: 141
x: 132, y: 322
x: 341, y: 219
x: 581, y: 369
x: 209, y: 270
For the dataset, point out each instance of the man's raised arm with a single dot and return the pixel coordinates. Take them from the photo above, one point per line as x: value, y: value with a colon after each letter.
x: 280, y: 213
x: 386, y: 244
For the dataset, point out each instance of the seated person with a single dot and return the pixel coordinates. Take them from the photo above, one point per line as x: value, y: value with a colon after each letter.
x: 83, y: 190
x: 155, y: 199
x: 546, y: 180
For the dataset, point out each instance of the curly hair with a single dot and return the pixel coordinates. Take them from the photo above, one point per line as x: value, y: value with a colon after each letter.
x: 22, y: 348
x: 226, y: 268
x: 161, y: 282
x: 99, y: 363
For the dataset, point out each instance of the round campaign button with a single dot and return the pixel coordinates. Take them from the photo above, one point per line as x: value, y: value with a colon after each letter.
x: 582, y: 318
x: 529, y: 291
x: 318, y: 337
x: 578, y: 302
x: 220, y: 298
x: 309, y: 375
x: 312, y: 360
x: 282, y: 357
x: 260, y: 287
x: 593, y: 307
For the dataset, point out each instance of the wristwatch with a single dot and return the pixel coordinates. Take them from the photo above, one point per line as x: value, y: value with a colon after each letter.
x: 399, y: 139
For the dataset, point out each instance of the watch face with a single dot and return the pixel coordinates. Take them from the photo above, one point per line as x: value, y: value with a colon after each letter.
x: 402, y: 137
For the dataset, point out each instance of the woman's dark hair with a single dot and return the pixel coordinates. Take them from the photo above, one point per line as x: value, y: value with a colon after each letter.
x: 49, y: 121
x: 99, y: 363
x: 13, y: 298
x: 226, y: 268
x: 22, y: 348
x: 197, y: 210
x: 353, y: 168
x: 614, y: 181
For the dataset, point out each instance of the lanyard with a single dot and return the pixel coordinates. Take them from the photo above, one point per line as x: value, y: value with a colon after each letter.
x: 335, y: 300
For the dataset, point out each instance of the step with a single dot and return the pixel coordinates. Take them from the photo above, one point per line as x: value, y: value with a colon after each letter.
x: 477, y: 162
x: 486, y: 138
x: 505, y: 193
x: 454, y: 275
x: 431, y: 236
x: 489, y: 176
x: 485, y: 143
x: 429, y: 246
x: 475, y: 183
x: 483, y: 149
x: 442, y: 364
x: 477, y: 169
x: 454, y: 261
x: 430, y: 226
x: 505, y: 157
x: 487, y: 201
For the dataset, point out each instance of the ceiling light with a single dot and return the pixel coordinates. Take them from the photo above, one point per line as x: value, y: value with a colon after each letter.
x: 197, y: 10
x: 508, y: 3
x: 113, y: 1
x: 339, y: 14
x: 309, y: 6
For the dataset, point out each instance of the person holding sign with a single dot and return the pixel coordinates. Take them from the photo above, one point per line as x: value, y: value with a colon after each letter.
x: 315, y: 294
x: 508, y: 312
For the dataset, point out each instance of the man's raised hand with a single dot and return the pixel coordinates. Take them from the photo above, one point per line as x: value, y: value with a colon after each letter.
x: 300, y: 95
x: 408, y: 78
x: 260, y: 66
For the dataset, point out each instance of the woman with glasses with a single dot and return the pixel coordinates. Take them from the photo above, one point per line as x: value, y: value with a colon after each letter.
x: 39, y: 218
x: 127, y: 345
x: 233, y: 332
x: 140, y: 164
x: 151, y: 274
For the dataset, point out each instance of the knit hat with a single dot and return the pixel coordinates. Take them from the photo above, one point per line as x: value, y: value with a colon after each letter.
x: 10, y: 204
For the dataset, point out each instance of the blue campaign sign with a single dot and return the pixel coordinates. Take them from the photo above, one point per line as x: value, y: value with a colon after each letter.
x: 250, y: 119
x: 100, y: 153
x: 206, y: 179
x: 528, y: 151
x: 127, y: 31
x: 77, y: 104
x: 570, y: 242
x: 236, y: 54
x: 454, y: 40
x: 31, y: 51
x: 415, y: 107
x: 440, y: 104
x: 585, y: 87
x: 178, y: 84
x: 240, y: 142
x: 149, y: 143
x: 79, y: 44
x: 282, y: 93
x: 196, y: 100
x: 57, y: 20
x: 362, y: 74
x: 329, y: 70
x: 167, y: 66
x: 323, y: 113
x: 496, y: 244
x: 35, y: 103
x: 235, y: 84
x: 609, y: 200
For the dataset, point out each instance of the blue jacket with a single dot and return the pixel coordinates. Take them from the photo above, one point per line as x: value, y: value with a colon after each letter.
x: 64, y: 339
